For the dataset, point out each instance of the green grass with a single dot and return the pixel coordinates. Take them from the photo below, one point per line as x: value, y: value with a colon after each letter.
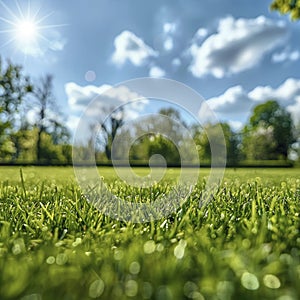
x: 243, y: 245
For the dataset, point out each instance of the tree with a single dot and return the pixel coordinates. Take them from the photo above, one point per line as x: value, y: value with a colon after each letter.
x: 291, y: 7
x: 47, y: 118
x: 14, y: 87
x: 162, y: 143
x: 24, y: 142
x: 212, y: 131
x: 274, y: 126
x: 296, y: 145
x: 163, y: 146
x: 153, y: 135
x: 108, y: 130
x: 171, y: 113
x: 259, y: 144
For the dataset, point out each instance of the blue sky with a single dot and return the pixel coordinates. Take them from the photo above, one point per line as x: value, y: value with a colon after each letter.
x: 236, y: 54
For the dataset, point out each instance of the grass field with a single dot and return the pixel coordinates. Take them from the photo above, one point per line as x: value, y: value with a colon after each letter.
x: 243, y: 245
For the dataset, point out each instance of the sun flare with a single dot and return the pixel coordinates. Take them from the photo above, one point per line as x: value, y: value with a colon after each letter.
x: 26, y: 29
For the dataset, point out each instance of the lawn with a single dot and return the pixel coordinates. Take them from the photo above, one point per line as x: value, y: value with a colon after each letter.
x: 244, y: 244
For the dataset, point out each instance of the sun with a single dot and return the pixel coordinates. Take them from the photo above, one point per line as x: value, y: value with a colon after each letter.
x: 26, y: 32
x: 26, y: 29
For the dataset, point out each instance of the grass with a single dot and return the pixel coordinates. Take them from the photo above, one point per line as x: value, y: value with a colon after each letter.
x: 243, y: 245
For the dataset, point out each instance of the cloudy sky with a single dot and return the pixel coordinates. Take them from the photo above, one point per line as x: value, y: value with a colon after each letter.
x: 236, y: 54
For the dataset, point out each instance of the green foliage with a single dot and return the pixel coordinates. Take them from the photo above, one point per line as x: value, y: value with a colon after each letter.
x: 47, y: 121
x: 229, y: 140
x: 19, y: 141
x: 24, y: 143
x: 148, y: 145
x: 52, y: 153
x: 296, y: 145
x: 259, y: 143
x: 243, y: 245
x: 20, y: 147
x: 160, y: 145
x: 291, y: 7
x: 109, y: 128
x: 14, y: 87
x: 269, y: 134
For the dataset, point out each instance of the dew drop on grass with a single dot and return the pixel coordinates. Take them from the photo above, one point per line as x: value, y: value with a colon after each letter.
x: 131, y: 288
x: 179, y: 249
x: 249, y: 281
x: 96, y: 288
x: 118, y: 254
x: 246, y: 243
x: 61, y: 259
x: 16, y: 249
x: 59, y: 244
x: 149, y: 247
x: 134, y: 268
x: 77, y: 242
x: 271, y: 281
x: 44, y: 228
x: 160, y: 247
x: 179, y: 252
x: 50, y: 260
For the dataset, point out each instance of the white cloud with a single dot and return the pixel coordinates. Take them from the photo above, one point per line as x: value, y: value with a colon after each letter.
x: 285, y: 93
x: 238, y: 45
x: 286, y: 55
x: 99, y: 102
x: 236, y: 125
x: 294, y: 109
x: 132, y: 48
x: 169, y: 31
x: 231, y: 105
x: 157, y: 72
x: 97, y: 99
x: 236, y: 103
x: 73, y: 122
x: 169, y: 44
x: 201, y: 33
x: 55, y: 41
x: 170, y: 27
x: 176, y: 62
x: 199, y: 37
x: 80, y: 96
x: 235, y: 97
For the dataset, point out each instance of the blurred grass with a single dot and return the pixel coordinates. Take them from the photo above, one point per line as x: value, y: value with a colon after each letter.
x: 243, y: 245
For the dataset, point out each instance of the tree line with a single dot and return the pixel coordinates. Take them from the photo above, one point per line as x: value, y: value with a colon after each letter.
x: 44, y: 139
x: 269, y: 135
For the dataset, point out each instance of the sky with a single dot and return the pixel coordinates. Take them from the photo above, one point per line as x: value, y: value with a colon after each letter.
x: 235, y: 53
